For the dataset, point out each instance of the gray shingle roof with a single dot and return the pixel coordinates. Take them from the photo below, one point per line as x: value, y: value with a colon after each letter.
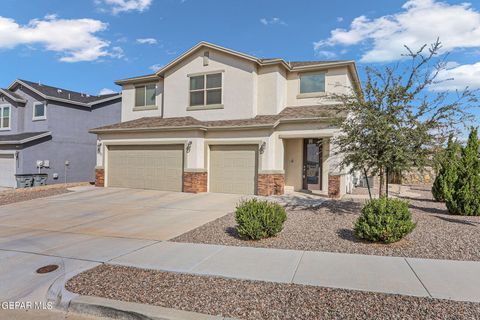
x: 289, y: 113
x: 19, y: 137
x: 60, y: 93
x: 13, y: 94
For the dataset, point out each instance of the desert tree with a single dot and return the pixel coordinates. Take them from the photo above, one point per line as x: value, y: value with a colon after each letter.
x: 395, y: 120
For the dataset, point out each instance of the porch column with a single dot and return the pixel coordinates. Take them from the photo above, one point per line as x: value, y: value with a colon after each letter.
x: 333, y: 179
x: 271, y: 174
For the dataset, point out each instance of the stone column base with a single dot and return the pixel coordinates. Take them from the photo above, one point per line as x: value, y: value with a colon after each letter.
x: 194, y: 182
x: 271, y: 184
x: 334, y: 186
x: 99, y: 177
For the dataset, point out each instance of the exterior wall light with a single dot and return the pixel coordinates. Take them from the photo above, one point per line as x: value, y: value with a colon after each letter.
x: 188, y: 146
x: 262, y: 147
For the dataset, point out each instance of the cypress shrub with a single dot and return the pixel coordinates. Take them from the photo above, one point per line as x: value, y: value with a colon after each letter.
x: 466, y: 196
x: 444, y: 184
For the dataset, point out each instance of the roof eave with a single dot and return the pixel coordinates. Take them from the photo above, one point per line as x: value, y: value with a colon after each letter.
x: 245, y: 127
x: 44, y: 96
x: 43, y: 135
x: 213, y: 128
x: 6, y: 93
x: 324, y: 65
x: 137, y: 80
x: 307, y: 119
x: 121, y: 130
x: 172, y: 63
x: 105, y: 100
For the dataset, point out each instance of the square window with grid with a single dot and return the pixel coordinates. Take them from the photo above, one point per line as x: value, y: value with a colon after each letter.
x: 206, y: 89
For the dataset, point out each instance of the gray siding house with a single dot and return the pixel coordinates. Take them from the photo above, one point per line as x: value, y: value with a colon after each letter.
x: 40, y: 123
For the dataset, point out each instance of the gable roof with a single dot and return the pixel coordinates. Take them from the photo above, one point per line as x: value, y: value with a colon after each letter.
x: 290, y: 66
x: 12, y: 95
x: 62, y: 95
x: 303, y: 113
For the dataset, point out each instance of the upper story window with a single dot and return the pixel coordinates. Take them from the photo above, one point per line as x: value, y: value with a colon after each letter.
x: 206, y: 89
x: 5, y: 117
x: 145, y: 95
x: 312, y: 83
x: 39, y: 111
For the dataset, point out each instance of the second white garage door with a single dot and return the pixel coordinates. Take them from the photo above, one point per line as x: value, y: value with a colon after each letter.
x: 157, y: 167
x: 233, y: 169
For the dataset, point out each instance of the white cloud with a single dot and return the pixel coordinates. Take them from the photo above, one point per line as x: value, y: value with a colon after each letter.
x: 458, y: 77
x: 118, y: 6
x: 155, y: 67
x: 74, y: 39
x: 419, y: 22
x: 106, y: 91
x: 272, y: 21
x: 326, y: 53
x: 116, y: 52
x: 147, y: 41
x: 339, y: 19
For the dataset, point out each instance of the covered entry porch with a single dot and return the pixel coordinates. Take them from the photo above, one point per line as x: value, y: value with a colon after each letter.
x: 306, y: 164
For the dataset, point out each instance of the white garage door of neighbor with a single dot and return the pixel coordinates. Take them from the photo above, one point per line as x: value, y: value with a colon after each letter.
x: 7, y: 170
x: 233, y: 169
x: 157, y: 167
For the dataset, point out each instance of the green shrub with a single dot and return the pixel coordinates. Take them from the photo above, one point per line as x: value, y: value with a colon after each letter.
x: 384, y: 220
x: 259, y: 219
x: 444, y: 184
x: 466, y: 196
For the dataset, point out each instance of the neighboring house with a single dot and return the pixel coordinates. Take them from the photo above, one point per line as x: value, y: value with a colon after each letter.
x: 44, y: 123
x: 219, y: 120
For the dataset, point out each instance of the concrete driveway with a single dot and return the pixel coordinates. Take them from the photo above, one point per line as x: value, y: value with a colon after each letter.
x: 82, y: 229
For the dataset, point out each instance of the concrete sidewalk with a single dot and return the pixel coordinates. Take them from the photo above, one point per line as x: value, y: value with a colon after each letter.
x: 444, y: 279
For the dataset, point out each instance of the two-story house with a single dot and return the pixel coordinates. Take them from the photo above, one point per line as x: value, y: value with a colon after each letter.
x: 45, y: 129
x: 219, y: 120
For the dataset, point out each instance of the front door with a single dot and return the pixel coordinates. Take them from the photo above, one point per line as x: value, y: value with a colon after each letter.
x: 312, y: 164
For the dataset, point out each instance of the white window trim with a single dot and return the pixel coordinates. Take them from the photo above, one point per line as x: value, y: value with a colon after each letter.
x: 145, y: 106
x: 2, y: 106
x: 44, y: 117
x: 311, y: 94
x: 205, y: 90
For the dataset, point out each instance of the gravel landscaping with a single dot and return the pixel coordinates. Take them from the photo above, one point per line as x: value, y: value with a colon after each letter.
x: 329, y: 227
x: 258, y: 300
x: 19, y: 195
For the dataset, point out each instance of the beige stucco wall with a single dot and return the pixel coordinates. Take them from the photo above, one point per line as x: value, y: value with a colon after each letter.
x: 272, y: 89
x: 248, y: 90
x: 239, y: 82
x: 336, y: 81
x: 128, y: 103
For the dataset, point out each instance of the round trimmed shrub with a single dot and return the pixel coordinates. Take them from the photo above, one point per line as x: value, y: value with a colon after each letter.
x: 259, y: 219
x: 384, y: 220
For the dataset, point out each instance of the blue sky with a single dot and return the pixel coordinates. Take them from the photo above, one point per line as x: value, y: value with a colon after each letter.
x: 85, y: 45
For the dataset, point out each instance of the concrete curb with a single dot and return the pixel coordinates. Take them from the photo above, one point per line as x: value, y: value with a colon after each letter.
x: 102, y: 307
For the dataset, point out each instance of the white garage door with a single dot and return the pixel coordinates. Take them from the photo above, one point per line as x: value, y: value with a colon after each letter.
x: 146, y: 167
x: 233, y: 169
x: 7, y: 170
